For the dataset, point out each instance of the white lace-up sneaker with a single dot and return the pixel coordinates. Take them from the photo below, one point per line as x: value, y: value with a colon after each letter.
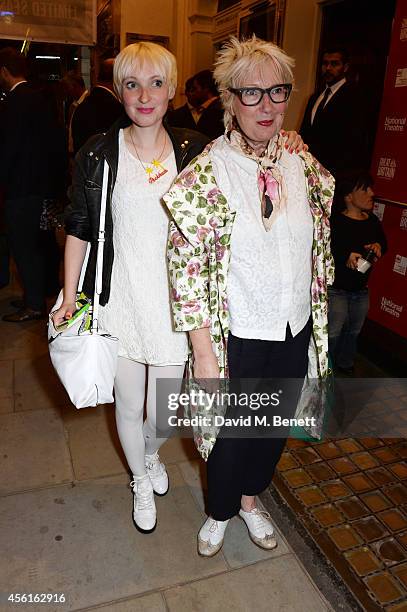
x: 144, y: 512
x: 260, y: 528
x: 157, y: 473
x: 210, y: 537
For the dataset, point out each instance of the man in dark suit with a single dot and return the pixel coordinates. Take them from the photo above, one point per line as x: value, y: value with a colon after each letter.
x: 203, y: 112
x: 333, y: 126
x: 186, y: 116
x: 31, y: 164
x: 99, y: 110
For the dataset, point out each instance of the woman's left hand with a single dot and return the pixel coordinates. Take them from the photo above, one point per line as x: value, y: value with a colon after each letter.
x: 375, y: 247
x: 294, y: 142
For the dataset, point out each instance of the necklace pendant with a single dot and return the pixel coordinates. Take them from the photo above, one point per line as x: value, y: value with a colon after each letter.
x: 153, y: 179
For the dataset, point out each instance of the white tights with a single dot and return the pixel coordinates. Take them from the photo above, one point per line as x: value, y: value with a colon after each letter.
x: 138, y: 438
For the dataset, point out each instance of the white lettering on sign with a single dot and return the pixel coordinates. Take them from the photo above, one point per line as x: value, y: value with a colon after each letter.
x: 391, y: 308
x: 54, y: 10
x: 394, y: 124
x: 387, y: 167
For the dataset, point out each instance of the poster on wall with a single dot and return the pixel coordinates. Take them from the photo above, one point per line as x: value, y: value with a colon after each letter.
x: 60, y: 21
x: 388, y: 281
x: 389, y: 166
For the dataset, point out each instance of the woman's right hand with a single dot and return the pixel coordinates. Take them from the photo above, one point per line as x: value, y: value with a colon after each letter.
x: 352, y: 261
x: 64, y: 313
x: 206, y: 372
x: 206, y: 367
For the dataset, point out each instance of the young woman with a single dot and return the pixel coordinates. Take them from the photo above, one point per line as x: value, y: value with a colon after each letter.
x: 355, y: 231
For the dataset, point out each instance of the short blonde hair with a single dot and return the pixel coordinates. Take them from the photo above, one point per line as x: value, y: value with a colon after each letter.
x: 134, y: 56
x: 238, y: 59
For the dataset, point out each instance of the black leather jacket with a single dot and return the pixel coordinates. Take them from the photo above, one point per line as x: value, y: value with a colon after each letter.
x: 82, y: 215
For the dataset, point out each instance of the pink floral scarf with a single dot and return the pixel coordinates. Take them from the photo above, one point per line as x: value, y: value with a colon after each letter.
x: 270, y: 180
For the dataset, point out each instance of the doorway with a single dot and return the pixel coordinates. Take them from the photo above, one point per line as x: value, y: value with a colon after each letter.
x: 364, y: 28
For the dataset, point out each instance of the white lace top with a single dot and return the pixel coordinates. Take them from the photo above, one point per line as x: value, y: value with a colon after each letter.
x: 138, y: 311
x: 269, y: 279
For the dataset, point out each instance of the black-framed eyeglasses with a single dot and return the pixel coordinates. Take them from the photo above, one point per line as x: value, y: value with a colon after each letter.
x: 251, y: 96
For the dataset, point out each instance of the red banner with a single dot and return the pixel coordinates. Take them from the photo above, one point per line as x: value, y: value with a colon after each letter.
x: 389, y: 166
x: 387, y: 284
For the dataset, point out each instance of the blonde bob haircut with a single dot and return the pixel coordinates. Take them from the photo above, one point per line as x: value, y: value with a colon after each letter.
x: 236, y: 62
x: 133, y: 57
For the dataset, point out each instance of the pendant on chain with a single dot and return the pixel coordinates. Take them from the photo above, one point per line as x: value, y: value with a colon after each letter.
x: 155, y: 170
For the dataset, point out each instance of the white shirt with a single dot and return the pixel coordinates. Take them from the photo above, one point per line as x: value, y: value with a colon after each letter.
x: 138, y: 311
x: 334, y: 88
x: 269, y: 278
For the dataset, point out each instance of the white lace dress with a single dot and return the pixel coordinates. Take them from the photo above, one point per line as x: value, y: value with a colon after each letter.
x: 138, y: 311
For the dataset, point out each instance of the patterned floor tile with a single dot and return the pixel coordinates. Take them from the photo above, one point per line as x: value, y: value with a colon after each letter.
x: 344, y: 537
x: 352, y: 508
x: 383, y: 587
x: 363, y: 561
x: 376, y: 501
x: 381, y: 476
x: 349, y: 445
x: 389, y: 551
x: 359, y: 482
x: 329, y: 450
x: 364, y: 460
x: 397, y: 493
x: 357, y: 501
x: 342, y: 465
x: 370, y: 529
x: 297, y: 478
x: 328, y: 515
x: 394, y: 519
x: 310, y: 496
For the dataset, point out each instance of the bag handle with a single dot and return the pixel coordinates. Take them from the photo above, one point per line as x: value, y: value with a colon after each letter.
x: 100, y: 251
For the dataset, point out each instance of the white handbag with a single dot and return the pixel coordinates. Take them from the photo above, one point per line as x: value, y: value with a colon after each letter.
x: 84, y: 359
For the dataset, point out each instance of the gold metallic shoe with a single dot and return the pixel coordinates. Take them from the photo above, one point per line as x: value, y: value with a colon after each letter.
x: 260, y: 528
x: 210, y: 537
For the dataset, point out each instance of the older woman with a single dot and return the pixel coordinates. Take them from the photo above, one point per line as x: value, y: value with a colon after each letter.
x: 250, y: 261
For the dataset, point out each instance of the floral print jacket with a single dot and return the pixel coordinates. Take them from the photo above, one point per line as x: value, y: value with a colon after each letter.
x: 199, y: 254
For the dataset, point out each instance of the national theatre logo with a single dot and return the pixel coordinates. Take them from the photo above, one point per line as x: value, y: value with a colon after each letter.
x: 391, y: 308
x: 394, y: 124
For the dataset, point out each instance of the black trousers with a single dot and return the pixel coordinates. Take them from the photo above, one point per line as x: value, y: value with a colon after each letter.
x: 245, y: 465
x: 34, y: 251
